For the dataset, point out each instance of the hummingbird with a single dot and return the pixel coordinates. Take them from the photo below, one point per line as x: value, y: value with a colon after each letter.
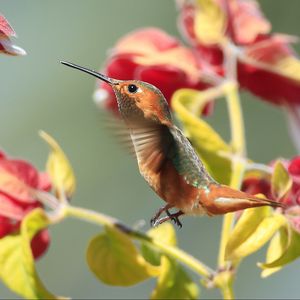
x: 166, y: 158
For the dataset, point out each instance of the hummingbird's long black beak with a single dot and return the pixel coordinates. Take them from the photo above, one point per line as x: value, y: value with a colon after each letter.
x: 94, y: 73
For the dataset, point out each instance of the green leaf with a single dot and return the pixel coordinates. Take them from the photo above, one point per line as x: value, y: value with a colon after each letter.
x: 59, y: 168
x: 262, y: 233
x: 166, y: 234
x: 245, y: 227
x: 174, y: 282
x: 290, y: 253
x: 281, y: 182
x: 17, y: 269
x: 114, y: 259
x: 210, y: 147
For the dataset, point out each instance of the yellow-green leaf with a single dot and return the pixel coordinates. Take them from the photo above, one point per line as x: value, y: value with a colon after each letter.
x: 114, y: 259
x: 275, y: 250
x: 174, y: 282
x: 290, y: 253
x: 17, y: 269
x: 164, y: 233
x: 263, y: 232
x: 59, y: 168
x: 209, y: 22
x: 281, y: 182
x: 245, y: 227
x: 211, y: 148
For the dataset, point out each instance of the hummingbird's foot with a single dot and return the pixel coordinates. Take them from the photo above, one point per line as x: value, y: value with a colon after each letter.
x: 155, y: 221
x: 174, y: 217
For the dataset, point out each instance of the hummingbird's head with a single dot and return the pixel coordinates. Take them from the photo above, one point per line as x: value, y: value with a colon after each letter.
x: 136, y: 99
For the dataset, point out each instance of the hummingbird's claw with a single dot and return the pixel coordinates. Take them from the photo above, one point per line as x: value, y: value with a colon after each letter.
x: 174, y: 217
x: 155, y: 221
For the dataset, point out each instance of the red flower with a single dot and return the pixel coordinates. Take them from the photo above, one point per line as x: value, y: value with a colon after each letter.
x: 217, y: 31
x: 267, y: 65
x: 291, y: 200
x: 6, y: 45
x: 18, y: 179
x: 151, y: 55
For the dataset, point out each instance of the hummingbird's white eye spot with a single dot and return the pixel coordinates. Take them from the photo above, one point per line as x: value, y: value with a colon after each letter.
x: 132, y: 88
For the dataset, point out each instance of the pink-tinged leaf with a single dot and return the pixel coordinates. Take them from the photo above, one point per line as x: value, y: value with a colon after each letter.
x: 153, y: 47
x: 6, y: 32
x: 179, y: 58
x: 17, y: 179
x: 246, y: 21
x: 121, y: 67
x: 186, y: 21
x: 2, y: 154
x: 44, y: 182
x: 269, y: 69
x: 150, y: 40
x: 21, y: 170
x: 153, y: 56
x: 5, y: 28
x: 10, y: 209
x: 40, y: 243
x: 160, y: 77
x: 294, y: 168
x: 6, y: 226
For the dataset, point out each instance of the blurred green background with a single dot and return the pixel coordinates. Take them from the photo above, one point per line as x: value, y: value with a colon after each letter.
x: 38, y: 93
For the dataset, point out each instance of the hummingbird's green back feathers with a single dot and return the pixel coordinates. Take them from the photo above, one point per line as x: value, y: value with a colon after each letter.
x: 186, y: 161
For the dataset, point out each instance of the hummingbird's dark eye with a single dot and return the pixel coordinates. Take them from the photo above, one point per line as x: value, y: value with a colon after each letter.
x: 132, y: 88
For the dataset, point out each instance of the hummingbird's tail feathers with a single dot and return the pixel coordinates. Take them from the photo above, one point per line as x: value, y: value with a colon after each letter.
x: 223, y: 199
x: 266, y: 201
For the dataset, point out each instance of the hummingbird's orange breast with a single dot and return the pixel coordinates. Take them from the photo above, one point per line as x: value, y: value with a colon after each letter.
x: 171, y: 187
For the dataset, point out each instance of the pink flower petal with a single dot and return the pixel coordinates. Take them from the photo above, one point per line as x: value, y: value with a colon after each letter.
x: 10, y: 209
x: 6, y: 226
x: 149, y: 40
x: 248, y: 22
x: 40, y: 243
x: 44, y: 182
x: 17, y: 178
x: 5, y: 29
